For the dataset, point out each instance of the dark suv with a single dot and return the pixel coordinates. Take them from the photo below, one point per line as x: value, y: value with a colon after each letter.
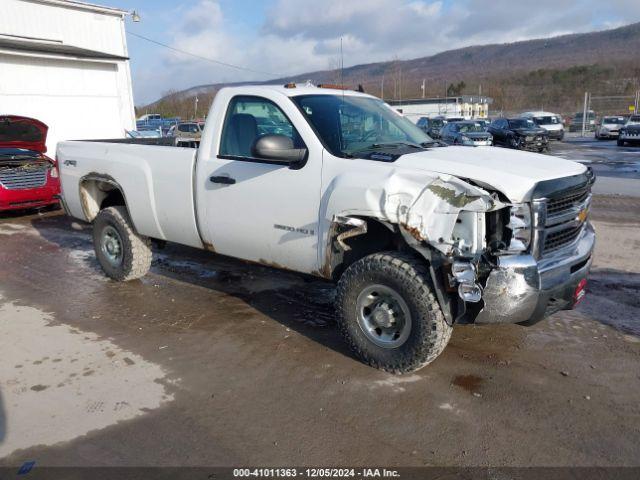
x: 520, y: 133
x: 431, y: 126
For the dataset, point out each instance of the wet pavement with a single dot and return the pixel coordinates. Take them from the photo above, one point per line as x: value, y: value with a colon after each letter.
x: 617, y: 168
x: 212, y: 361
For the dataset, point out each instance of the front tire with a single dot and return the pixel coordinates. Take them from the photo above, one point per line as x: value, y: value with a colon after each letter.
x: 122, y: 253
x: 388, y: 313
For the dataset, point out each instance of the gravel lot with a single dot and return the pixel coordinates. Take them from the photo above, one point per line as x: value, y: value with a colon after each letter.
x: 209, y: 361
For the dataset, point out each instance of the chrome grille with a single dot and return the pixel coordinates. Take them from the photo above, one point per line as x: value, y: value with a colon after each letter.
x: 558, y: 239
x: 567, y: 201
x: 23, y: 178
x: 560, y: 218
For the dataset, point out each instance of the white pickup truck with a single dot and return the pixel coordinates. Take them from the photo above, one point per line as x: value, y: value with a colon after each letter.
x: 336, y: 184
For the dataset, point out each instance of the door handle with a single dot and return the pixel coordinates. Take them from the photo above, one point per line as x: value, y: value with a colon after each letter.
x: 222, y: 179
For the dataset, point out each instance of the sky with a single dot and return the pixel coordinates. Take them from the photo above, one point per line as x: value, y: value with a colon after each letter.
x: 275, y: 38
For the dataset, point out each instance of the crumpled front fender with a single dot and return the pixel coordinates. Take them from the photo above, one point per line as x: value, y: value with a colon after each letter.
x: 425, y: 206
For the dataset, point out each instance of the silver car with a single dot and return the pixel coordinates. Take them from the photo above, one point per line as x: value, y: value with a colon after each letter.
x: 609, y: 127
x: 467, y: 133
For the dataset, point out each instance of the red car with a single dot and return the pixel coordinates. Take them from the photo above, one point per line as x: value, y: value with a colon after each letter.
x: 28, y: 178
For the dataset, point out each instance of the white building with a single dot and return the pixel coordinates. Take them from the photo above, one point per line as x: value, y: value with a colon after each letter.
x: 465, y: 106
x: 66, y: 63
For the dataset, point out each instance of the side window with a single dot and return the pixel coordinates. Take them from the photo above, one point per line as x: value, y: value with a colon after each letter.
x: 249, y: 118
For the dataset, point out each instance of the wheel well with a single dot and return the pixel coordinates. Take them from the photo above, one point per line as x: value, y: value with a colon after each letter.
x: 378, y: 237
x: 97, y: 193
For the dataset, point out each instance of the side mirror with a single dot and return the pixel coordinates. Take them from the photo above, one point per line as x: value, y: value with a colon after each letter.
x: 278, y: 148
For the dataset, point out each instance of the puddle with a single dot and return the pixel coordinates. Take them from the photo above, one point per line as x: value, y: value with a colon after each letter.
x: 470, y: 383
x: 58, y: 383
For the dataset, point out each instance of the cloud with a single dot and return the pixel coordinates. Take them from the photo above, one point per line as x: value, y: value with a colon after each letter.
x: 304, y: 35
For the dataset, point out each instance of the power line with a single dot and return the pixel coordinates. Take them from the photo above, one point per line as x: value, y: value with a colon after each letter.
x: 195, y: 55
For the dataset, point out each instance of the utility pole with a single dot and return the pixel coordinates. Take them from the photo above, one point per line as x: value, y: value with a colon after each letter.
x: 195, y: 109
x: 382, y: 88
x: 400, y: 87
x: 423, y: 86
x: 584, y: 113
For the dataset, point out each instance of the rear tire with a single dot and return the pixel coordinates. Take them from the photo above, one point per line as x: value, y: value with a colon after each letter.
x: 399, y: 294
x: 122, y: 253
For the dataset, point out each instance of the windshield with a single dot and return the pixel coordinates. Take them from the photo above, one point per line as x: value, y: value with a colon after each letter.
x: 614, y: 120
x: 437, y: 123
x: 470, y: 127
x: 546, y: 120
x: 189, y: 128
x: 521, y: 123
x: 634, y: 119
x: 347, y: 124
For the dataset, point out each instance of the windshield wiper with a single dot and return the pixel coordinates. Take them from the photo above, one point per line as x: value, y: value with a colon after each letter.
x: 432, y: 143
x: 378, y: 146
x: 396, y: 144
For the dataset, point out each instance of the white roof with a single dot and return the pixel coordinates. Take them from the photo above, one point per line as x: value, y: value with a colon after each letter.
x: 540, y: 113
x: 86, y: 6
x: 298, y: 90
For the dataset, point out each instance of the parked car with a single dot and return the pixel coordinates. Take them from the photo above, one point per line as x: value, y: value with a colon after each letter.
x: 630, y: 133
x: 145, y: 133
x: 187, y: 134
x: 418, y: 236
x: 633, y: 120
x: 551, y: 122
x: 155, y: 120
x: 520, y: 133
x: 609, y: 127
x: 576, y: 122
x: 28, y: 178
x: 431, y: 126
x: 186, y: 129
x: 467, y: 133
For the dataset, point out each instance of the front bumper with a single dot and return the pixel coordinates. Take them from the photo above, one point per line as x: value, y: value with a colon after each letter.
x: 29, y: 198
x: 523, y: 289
x: 630, y: 138
x: 533, y: 144
x: 477, y: 143
x: 609, y: 134
x: 555, y: 134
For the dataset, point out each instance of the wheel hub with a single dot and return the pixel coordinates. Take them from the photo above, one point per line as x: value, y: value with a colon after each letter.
x: 111, y: 245
x: 383, y: 316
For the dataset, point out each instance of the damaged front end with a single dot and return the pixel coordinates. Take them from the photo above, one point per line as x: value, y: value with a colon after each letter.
x: 491, y: 260
x: 447, y: 223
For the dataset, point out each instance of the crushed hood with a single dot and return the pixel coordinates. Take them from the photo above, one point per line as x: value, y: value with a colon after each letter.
x: 23, y: 132
x: 529, y: 131
x: 514, y: 173
x: 477, y: 135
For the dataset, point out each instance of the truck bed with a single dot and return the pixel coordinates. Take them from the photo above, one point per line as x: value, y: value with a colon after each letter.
x: 157, y: 182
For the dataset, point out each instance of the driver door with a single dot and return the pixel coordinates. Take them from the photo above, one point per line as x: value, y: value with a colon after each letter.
x: 260, y: 210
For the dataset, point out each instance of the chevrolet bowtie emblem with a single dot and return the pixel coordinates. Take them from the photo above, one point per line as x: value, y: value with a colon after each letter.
x: 582, y: 216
